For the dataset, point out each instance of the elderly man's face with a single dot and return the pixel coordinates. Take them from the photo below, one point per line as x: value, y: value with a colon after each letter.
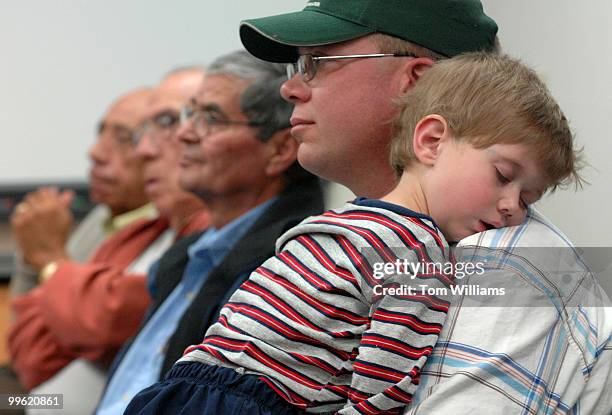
x: 229, y: 159
x: 158, y: 145
x: 116, y: 174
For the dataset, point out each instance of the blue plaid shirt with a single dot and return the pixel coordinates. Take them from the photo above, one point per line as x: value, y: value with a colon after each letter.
x: 543, y: 348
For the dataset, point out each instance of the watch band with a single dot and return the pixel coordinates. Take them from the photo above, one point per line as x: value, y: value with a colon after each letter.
x: 47, y: 271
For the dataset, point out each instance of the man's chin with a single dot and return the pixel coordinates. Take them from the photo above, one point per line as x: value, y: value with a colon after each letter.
x: 189, y: 182
x: 309, y: 160
x: 317, y: 160
x: 98, y: 196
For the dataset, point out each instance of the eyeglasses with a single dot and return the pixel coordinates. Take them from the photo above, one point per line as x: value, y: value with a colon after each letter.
x: 160, y: 126
x: 120, y: 134
x: 306, y: 65
x: 205, y: 120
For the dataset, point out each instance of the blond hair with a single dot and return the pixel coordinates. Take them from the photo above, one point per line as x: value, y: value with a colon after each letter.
x: 489, y: 99
x: 392, y: 44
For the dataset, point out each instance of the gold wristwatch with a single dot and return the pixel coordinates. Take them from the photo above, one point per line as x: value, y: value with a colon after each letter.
x: 47, y: 271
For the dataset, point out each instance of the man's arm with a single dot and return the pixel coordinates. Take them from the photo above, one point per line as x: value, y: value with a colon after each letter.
x: 84, y: 310
x: 35, y: 354
x: 487, y: 361
x: 596, y: 398
x: 87, y: 309
x: 528, y: 351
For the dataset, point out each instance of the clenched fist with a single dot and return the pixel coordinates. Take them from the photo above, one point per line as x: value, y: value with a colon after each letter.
x: 41, y: 224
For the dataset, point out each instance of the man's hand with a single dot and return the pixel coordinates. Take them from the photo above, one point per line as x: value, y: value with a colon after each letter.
x: 41, y: 224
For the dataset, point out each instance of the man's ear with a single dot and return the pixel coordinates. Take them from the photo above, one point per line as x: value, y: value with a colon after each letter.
x: 412, y: 71
x: 282, y: 152
x: 429, y: 135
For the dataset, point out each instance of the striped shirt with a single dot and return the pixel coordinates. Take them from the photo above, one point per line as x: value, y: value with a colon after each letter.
x: 315, y: 322
x: 546, y: 349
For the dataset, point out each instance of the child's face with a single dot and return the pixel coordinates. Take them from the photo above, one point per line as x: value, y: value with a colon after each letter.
x: 471, y: 190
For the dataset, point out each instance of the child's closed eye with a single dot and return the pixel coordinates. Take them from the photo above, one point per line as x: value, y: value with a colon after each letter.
x: 500, y: 177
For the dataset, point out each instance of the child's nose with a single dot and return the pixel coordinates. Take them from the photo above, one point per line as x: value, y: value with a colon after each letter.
x: 511, y: 208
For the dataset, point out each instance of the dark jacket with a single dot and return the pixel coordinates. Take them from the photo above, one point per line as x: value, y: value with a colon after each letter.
x: 296, y: 202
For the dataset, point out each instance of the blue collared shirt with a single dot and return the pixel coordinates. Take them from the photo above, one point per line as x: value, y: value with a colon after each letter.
x: 142, y: 363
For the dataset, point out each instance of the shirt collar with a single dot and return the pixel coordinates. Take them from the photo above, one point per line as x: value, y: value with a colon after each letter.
x: 222, y: 240
x: 116, y: 223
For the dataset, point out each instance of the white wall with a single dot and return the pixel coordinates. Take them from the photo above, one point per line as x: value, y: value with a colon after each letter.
x: 569, y: 42
x: 63, y: 62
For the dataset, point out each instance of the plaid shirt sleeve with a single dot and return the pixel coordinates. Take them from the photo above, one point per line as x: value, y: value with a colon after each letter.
x: 544, y: 348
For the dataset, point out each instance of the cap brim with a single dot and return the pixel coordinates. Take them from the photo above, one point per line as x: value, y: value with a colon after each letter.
x: 276, y: 38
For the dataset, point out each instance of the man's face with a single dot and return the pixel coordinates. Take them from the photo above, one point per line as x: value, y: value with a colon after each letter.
x: 116, y: 174
x: 342, y: 117
x: 159, y: 147
x: 229, y: 159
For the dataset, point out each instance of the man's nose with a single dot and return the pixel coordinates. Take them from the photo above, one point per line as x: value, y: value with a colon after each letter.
x: 186, y: 133
x: 295, y: 90
x: 145, y: 147
x: 99, y: 151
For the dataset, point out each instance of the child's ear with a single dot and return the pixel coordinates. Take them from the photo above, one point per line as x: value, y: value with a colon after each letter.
x: 430, y: 132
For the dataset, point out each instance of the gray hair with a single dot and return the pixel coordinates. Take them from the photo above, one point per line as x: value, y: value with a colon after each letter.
x: 261, y: 101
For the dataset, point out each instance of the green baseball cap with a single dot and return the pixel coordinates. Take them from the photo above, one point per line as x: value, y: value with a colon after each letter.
x: 448, y: 27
